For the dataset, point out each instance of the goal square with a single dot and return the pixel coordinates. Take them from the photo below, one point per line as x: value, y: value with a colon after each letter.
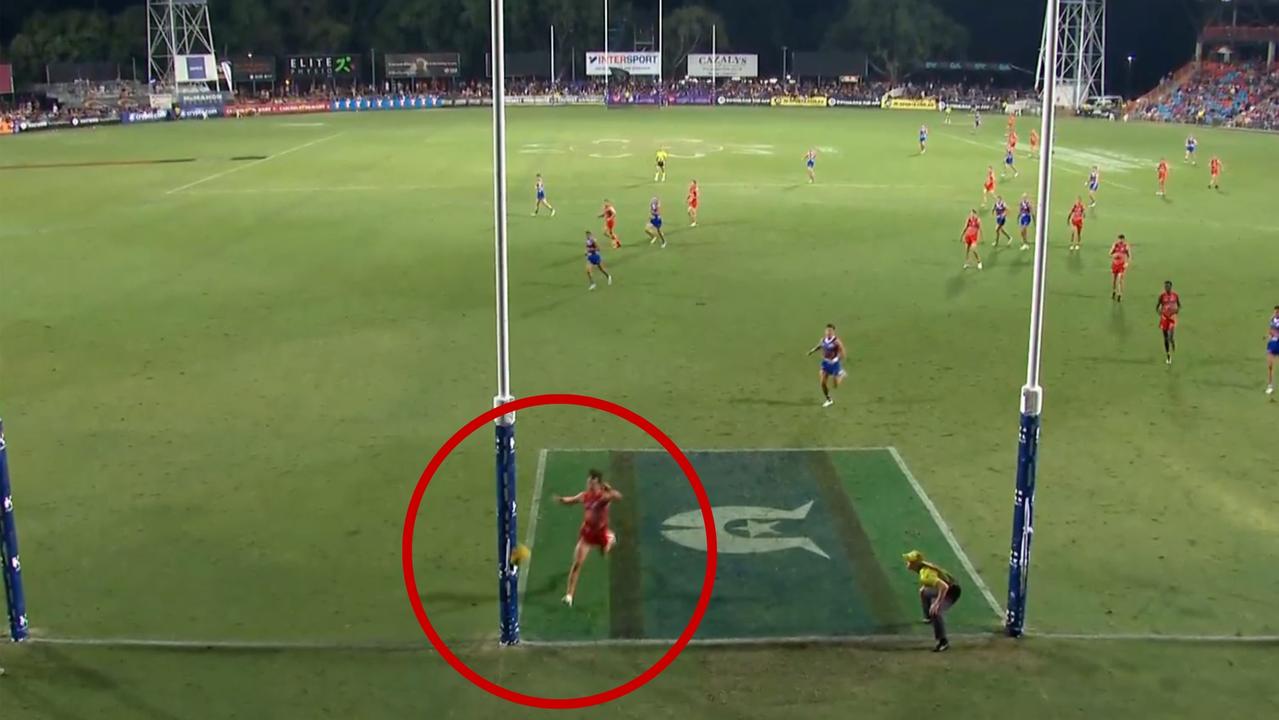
x: 810, y: 545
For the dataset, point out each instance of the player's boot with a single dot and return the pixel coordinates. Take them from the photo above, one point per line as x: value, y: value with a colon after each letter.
x: 828, y: 402
x: 942, y: 646
x: 567, y: 600
x: 1270, y: 389
x: 592, y: 287
x: 610, y: 279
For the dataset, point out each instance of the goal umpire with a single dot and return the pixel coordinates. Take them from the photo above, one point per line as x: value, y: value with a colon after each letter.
x: 938, y: 592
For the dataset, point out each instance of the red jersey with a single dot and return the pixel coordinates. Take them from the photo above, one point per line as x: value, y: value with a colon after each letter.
x: 595, y: 510
x: 1163, y: 170
x: 692, y: 195
x: 609, y: 214
x: 1077, y: 214
x: 1169, y: 304
x: 1119, y: 251
x: 990, y: 180
x: 1215, y: 166
x: 1012, y: 140
x: 1034, y: 138
x: 974, y: 224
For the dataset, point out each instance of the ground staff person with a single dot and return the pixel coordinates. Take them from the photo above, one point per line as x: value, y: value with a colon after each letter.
x: 938, y: 592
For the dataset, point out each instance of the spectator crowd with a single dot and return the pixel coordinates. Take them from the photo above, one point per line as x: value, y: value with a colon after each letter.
x: 1244, y: 95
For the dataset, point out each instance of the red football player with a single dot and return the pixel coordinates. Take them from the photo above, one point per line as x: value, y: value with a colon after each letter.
x: 1214, y: 170
x: 1168, y: 306
x: 1120, y: 254
x: 1162, y: 172
x: 972, y: 236
x: 988, y: 188
x: 692, y: 204
x: 1077, y: 224
x: 594, y: 532
x: 1034, y: 142
x: 610, y: 223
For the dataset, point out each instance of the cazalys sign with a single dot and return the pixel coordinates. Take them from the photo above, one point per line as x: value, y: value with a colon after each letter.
x: 725, y: 65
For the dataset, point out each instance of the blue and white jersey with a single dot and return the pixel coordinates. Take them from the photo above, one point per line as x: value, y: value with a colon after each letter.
x: 1008, y: 157
x: 1273, y: 345
x: 541, y: 189
x: 1191, y: 144
x: 810, y: 159
x: 830, y: 355
x: 1001, y: 212
x: 1094, y: 181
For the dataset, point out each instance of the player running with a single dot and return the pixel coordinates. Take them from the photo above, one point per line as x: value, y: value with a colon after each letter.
x: 948, y: 112
x: 832, y: 362
x: 1272, y: 352
x: 594, y: 261
x: 1161, y: 171
x: 610, y: 223
x: 988, y: 187
x: 1077, y: 224
x: 1093, y: 185
x: 654, y: 227
x: 594, y: 532
x: 1010, y: 160
x: 660, y: 175
x: 971, y: 237
x: 1120, y: 255
x: 1168, y: 306
x: 1214, y: 173
x: 810, y: 162
x: 976, y: 120
x: 1001, y: 217
x: 1192, y: 145
x: 1025, y: 216
x: 540, y: 189
x: 1034, y: 143
x: 923, y: 139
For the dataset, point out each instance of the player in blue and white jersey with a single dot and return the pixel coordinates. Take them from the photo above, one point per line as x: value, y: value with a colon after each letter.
x: 1010, y: 161
x: 923, y: 139
x: 1001, y: 217
x: 1094, y: 184
x: 1025, y: 216
x: 594, y: 261
x: 654, y: 227
x: 1272, y: 352
x: 832, y: 362
x: 1192, y: 145
x: 540, y: 189
x: 810, y: 163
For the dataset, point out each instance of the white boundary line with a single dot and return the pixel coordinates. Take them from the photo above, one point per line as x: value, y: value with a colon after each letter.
x: 248, y: 165
x: 534, y: 508
x: 423, y: 646
x: 947, y: 533
x: 868, y: 448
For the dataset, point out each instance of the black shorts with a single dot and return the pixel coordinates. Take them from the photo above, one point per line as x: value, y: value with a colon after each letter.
x: 953, y: 593
x: 661, y: 164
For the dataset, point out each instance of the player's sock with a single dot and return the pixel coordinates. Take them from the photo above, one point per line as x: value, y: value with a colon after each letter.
x: 567, y: 600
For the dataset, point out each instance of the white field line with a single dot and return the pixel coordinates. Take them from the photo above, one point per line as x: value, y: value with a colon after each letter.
x: 947, y: 533
x: 424, y: 646
x: 533, y: 509
x: 454, y: 186
x: 878, y: 448
x: 254, y: 163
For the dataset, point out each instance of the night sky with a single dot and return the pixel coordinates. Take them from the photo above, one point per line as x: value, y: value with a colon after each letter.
x: 1159, y: 33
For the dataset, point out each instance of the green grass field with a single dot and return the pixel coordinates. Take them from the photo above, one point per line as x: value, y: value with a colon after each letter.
x: 221, y: 379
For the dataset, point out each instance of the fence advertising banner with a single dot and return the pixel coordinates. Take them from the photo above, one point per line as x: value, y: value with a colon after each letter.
x: 338, y: 66
x: 721, y: 100
x: 844, y: 101
x: 6, y: 79
x: 295, y: 107
x: 423, y: 65
x: 253, y: 69
x: 723, y: 65
x: 891, y: 103
x: 814, y: 101
x: 636, y: 63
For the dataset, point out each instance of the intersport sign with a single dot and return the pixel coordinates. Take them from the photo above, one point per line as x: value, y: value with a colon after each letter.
x: 635, y: 63
x: 723, y: 65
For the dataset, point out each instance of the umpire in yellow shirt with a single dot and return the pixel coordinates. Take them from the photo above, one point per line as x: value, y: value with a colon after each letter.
x: 938, y: 591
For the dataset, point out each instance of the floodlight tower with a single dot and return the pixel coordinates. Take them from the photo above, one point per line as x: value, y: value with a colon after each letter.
x: 174, y: 28
x: 1080, y: 71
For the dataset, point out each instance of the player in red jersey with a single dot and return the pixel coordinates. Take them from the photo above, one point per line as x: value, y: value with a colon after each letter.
x: 1012, y: 139
x: 971, y: 237
x: 1162, y: 172
x: 594, y: 532
x: 1012, y: 124
x: 1168, y: 306
x: 1077, y: 224
x: 610, y: 223
x: 692, y: 204
x: 1034, y: 142
x: 1119, y: 258
x: 988, y: 188
x: 1214, y: 169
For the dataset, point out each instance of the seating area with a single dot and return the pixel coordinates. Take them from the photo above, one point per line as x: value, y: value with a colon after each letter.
x: 1231, y: 95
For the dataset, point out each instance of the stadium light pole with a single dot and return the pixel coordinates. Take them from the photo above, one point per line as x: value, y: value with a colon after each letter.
x: 661, y: 67
x: 507, y: 572
x: 1032, y: 395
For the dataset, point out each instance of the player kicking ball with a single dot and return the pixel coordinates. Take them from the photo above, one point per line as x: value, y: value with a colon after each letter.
x: 594, y: 533
x: 832, y: 363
